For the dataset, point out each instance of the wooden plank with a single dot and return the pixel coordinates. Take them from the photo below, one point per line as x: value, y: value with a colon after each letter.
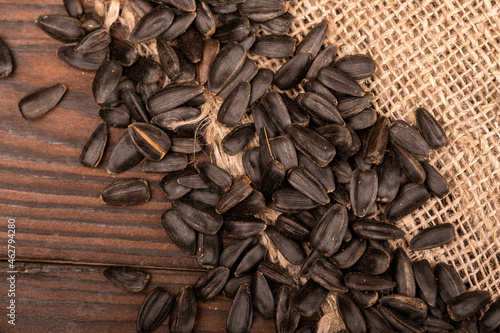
x: 77, y: 298
x: 54, y: 200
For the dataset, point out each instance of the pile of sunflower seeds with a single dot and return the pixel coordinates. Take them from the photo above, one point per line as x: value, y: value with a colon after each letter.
x: 340, y: 174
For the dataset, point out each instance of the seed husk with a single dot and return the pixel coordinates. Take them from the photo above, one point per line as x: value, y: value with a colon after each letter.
x: 363, y: 190
x: 326, y: 274
x: 290, y: 227
x: 124, y: 155
x: 179, y: 232
x: 263, y: 301
x: 6, y: 64
x: 426, y: 281
x: 63, y: 28
x: 297, y: 114
x: 467, y: 304
x: 304, y: 181
x: 309, y: 298
x: 226, y: 66
x: 88, y: 61
x: 432, y: 237
x: 152, y: 24
x: 172, y: 96
x: 91, y: 21
x: 373, y: 261
x: 350, y: 313
x: 326, y: 237
x: 434, y: 181
x: 123, y: 52
x: 149, y: 140
x: 183, y: 315
x: 357, y: 66
x: 277, y: 110
x: 276, y: 273
x: 106, y: 79
x: 211, y: 283
x: 320, y: 107
x: 362, y: 281
x: 242, y: 227
x: 204, y: 220
x: 411, y: 197
x: 287, y: 319
x: 430, y: 129
x: 324, y: 59
x: 128, y: 278
x: 352, y: 106
x: 231, y: 254
x: 94, y: 148
x: 154, y: 310
x: 95, y: 41
x: 339, y: 82
x: 407, y: 137
x: 313, y: 145
x: 205, y: 21
x: 211, y: 48
x: 293, y: 71
x: 172, y: 188
x: 409, y: 164
x: 274, y: 47
x: 289, y: 200
x: 191, y: 44
x: 247, y: 73
x: 208, y: 250
x: 145, y: 70
x: 491, y: 318
x: 126, y: 192
x: 240, y: 317
x: 350, y: 253
x: 41, y: 101
x: 250, y: 260
x: 233, y: 108
x: 168, y: 59
x: 278, y: 26
x: 233, y: 31
x: 263, y: 10
x: 260, y: 84
x: 289, y: 248
x: 372, y: 229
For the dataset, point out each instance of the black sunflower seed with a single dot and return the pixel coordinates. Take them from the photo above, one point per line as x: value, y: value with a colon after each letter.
x: 410, y: 165
x: 363, y: 190
x: 191, y: 44
x: 290, y: 227
x: 41, y: 101
x: 91, y: 21
x: 172, y: 96
x: 260, y: 83
x: 94, y: 148
x: 293, y: 71
x: 326, y: 274
x: 407, y: 137
x: 242, y: 227
x: 231, y: 254
x: 233, y: 108
x: 289, y: 248
x: 426, y: 281
x: 240, y: 317
x: 183, y: 315
x: 250, y: 260
x: 124, y: 155
x: 211, y: 283
x: 95, y: 41
x: 467, y: 304
x: 154, y: 310
x: 357, y: 66
x: 226, y: 66
x: 339, y: 82
x: 171, y: 187
x: 179, y: 26
x: 324, y: 59
x: 373, y: 261
x: 145, y: 70
x: 372, y: 229
x: 64, y: 28
x: 88, y: 61
x: 277, y: 110
x: 126, y: 192
x: 320, y: 107
x: 352, y: 316
x: 263, y: 10
x: 179, y: 232
x: 201, y: 219
x: 376, y: 142
x: 128, y: 278
x: 326, y: 237
x: 115, y: 117
x: 106, y: 79
x: 403, y: 274
x: 233, y: 284
x: 432, y: 237
x: 411, y: 197
x: 434, y: 181
x: 350, y: 253
x: 152, y: 24
x: 235, y: 30
x: 149, y: 140
x: 272, y: 46
x: 313, y: 145
x: 430, y: 129
x: 278, y: 26
x: 304, y: 181
x: 208, y: 250
x: 309, y: 298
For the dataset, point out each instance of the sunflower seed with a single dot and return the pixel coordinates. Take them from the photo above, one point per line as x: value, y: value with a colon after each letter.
x: 170, y: 163
x: 128, y: 278
x: 88, y: 61
x: 326, y: 237
x: 414, y: 308
x: 41, y: 101
x: 279, y: 25
x: 234, y: 107
x: 226, y: 66
x: 411, y: 197
x: 192, y: 180
x: 409, y: 164
x: 123, y: 52
x: 376, y: 142
x: 430, y: 129
x: 350, y: 253
x: 242, y: 227
x: 405, y: 136
x: 172, y: 96
x: 154, y: 310
x: 289, y: 227
x: 352, y: 106
x: 432, y: 237
x: 183, y: 315
x: 204, y: 220
x: 319, y: 107
x: 233, y: 285
x: 205, y: 21
x: 293, y: 71
x: 231, y: 254
x: 208, y: 250
x: 168, y: 120
x: 124, y: 155
x: 363, y: 190
x: 179, y: 232
x: 126, y: 192
x: 273, y: 175
x: 263, y: 10
x: 152, y: 24
x: 251, y: 165
x: 309, y: 298
x: 375, y: 321
x: 314, y: 86
x: 168, y: 59
x: 219, y: 179
x: 115, y: 117
x: 94, y: 148
x: 91, y: 21
x: 145, y: 70
x: 434, y: 181
x: 363, y: 299
x: 338, y: 135
x: 149, y: 140
x: 362, y: 281
x: 172, y: 188
x: 373, y: 261
x: 289, y: 248
x: 247, y: 73
x: 389, y: 178
x: 260, y: 83
x: 377, y: 230
x: 450, y: 284
x: 275, y: 273
x: 357, y: 66
x: 184, y: 5
x: 64, y: 28
x: 233, y: 31
x: 239, y: 319
x: 312, y: 144
x: 250, y: 260
x: 95, y: 41
x: 302, y: 180
x: 211, y: 48
x: 365, y: 119
x: 491, y: 318
x: 272, y: 46
x: 350, y: 313
x: 277, y: 110
x: 467, y: 304
x: 211, y: 283
x: 337, y: 81
x: 324, y: 59
x: 397, y: 321
x: 327, y: 275
x: 289, y: 200
x: 191, y: 44
x: 403, y: 274
x: 287, y: 319
x: 106, y: 79
x: 240, y: 189
x: 426, y: 281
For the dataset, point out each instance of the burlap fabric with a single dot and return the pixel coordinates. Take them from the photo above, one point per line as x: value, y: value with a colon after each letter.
x: 441, y: 55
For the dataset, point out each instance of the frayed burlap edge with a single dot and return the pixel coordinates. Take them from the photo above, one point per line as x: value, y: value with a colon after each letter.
x: 439, y: 55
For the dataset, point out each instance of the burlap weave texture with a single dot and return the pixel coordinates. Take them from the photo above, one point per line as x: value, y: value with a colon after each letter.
x: 443, y: 56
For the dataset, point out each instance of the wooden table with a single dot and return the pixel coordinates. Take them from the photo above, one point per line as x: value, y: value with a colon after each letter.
x: 64, y: 234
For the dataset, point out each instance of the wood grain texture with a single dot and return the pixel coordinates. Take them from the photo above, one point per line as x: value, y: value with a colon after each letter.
x: 76, y: 298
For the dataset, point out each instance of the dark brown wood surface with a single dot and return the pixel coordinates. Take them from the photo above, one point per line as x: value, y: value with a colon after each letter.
x: 65, y: 235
